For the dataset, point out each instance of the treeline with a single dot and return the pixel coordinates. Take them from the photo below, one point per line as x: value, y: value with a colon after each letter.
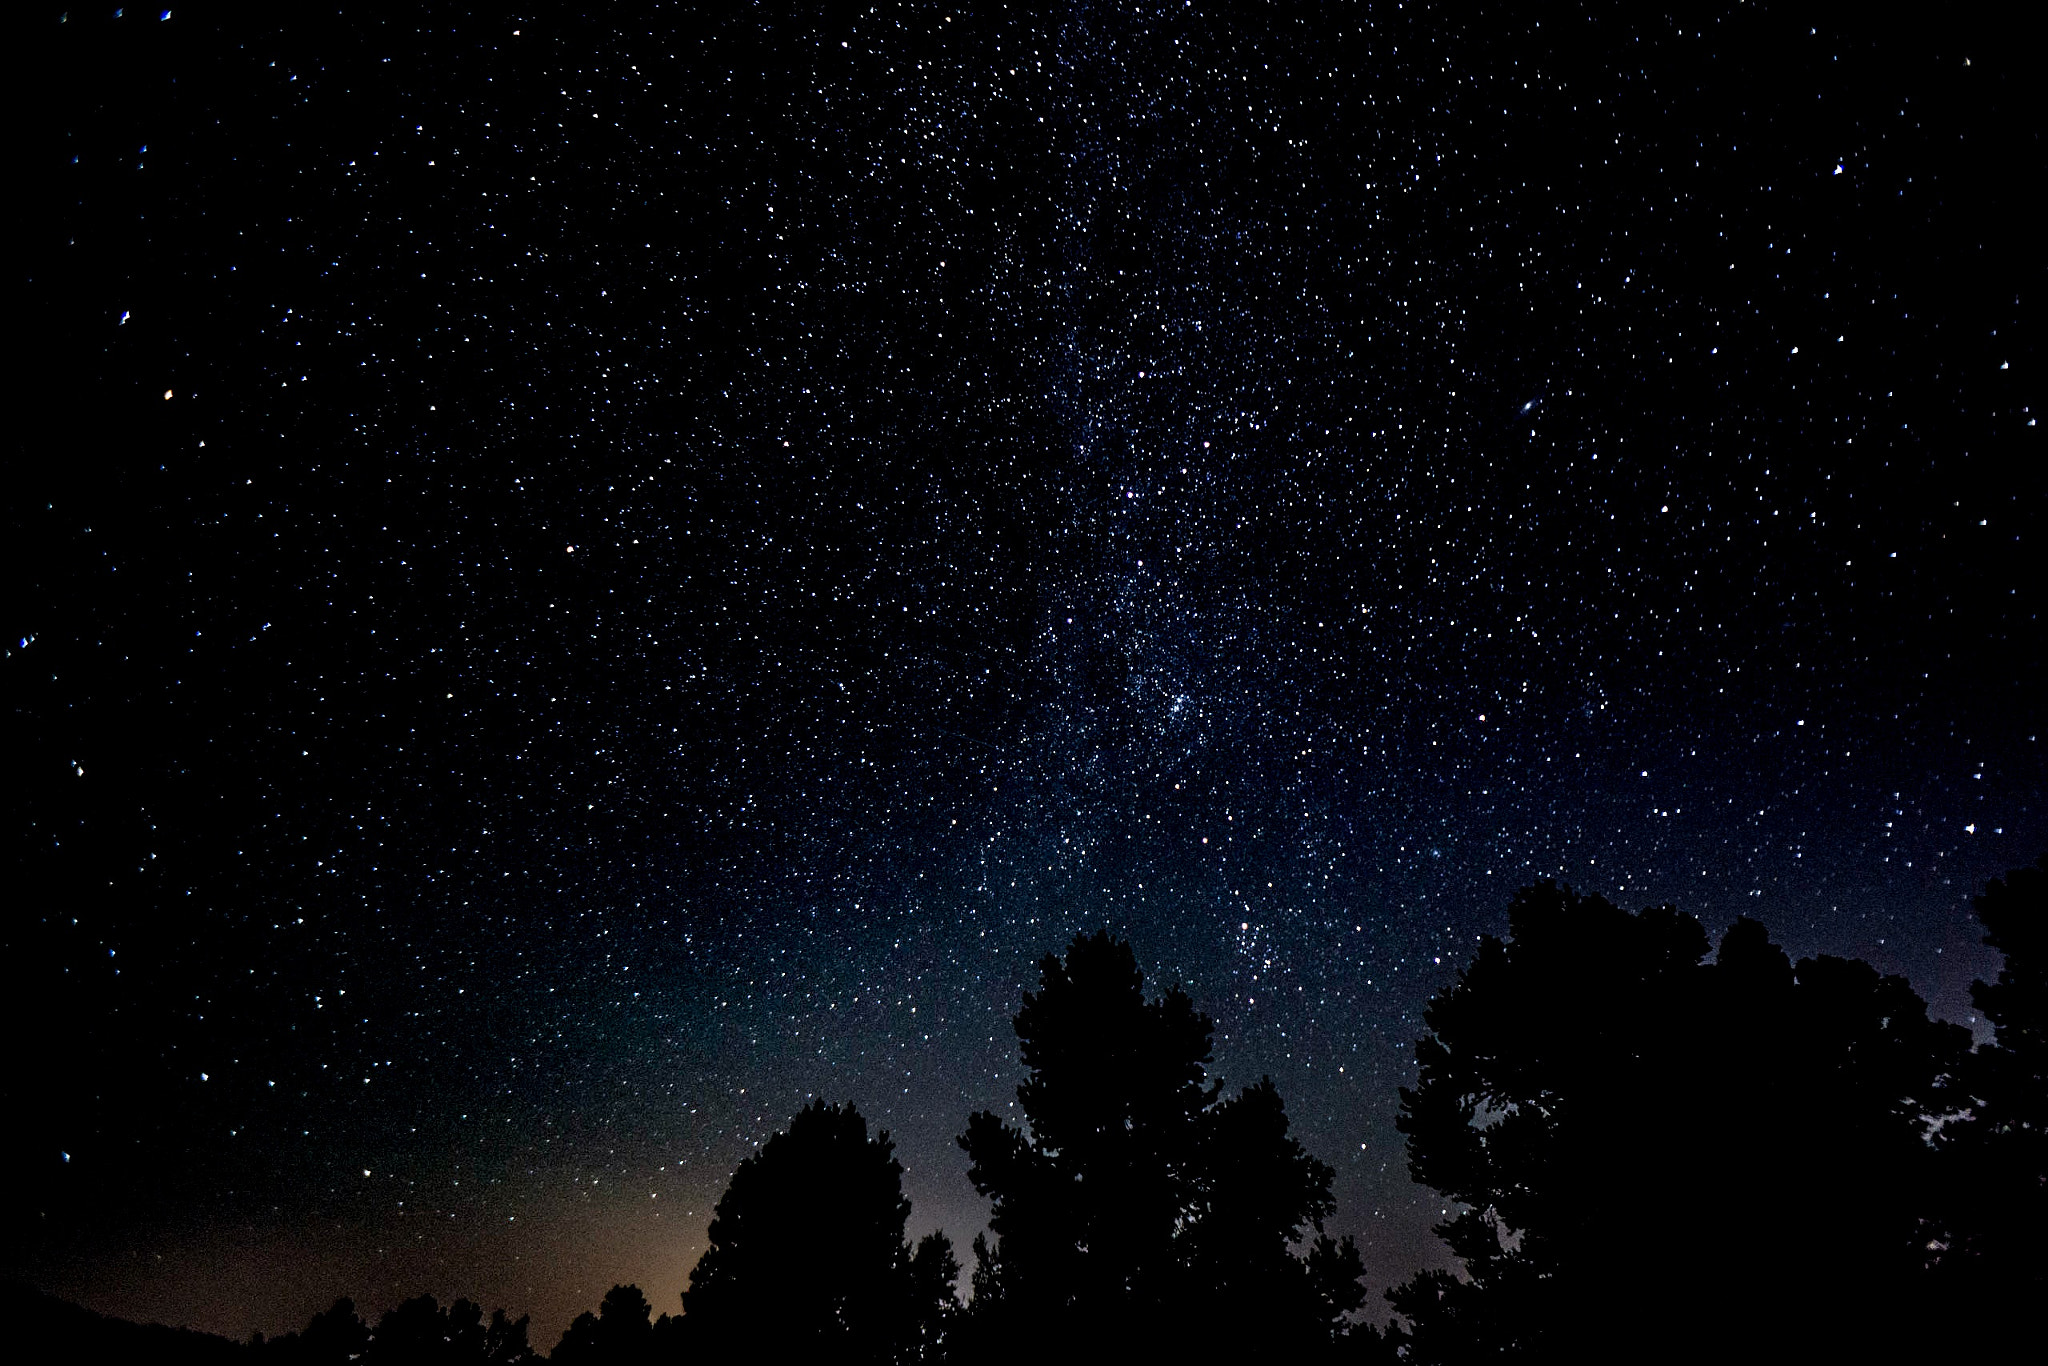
x: 1658, y: 1149
x: 1660, y: 1156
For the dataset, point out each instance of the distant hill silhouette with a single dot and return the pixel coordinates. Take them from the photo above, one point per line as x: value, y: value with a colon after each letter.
x: 42, y: 1327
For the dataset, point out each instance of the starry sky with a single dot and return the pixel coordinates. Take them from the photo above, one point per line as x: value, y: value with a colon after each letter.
x: 582, y: 579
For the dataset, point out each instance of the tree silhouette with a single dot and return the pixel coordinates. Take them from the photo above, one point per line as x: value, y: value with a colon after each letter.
x: 1257, y: 1187
x: 421, y: 1333
x: 2014, y: 913
x: 1086, y: 1207
x: 418, y: 1332
x: 505, y: 1340
x: 618, y: 1334
x: 808, y: 1255
x: 334, y: 1337
x: 1138, y: 1213
x: 1665, y: 1158
x: 934, y: 1271
x: 1992, y: 1265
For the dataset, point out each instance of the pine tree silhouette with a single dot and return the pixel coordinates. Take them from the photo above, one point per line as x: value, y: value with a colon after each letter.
x: 1139, y: 1214
x: 808, y: 1253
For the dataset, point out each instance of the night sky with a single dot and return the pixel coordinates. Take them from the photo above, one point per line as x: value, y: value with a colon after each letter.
x: 580, y: 581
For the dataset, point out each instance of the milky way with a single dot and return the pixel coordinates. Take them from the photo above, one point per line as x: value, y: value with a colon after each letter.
x: 583, y: 582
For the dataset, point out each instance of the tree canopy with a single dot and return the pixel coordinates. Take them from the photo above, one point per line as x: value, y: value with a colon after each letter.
x: 1138, y: 1211
x: 419, y: 1332
x: 1993, y: 1268
x: 1664, y: 1156
x: 808, y: 1252
x: 621, y: 1333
